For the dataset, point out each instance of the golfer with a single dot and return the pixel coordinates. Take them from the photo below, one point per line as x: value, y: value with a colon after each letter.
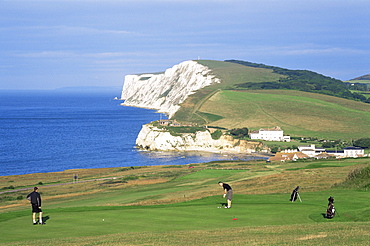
x: 35, y: 199
x: 228, y: 193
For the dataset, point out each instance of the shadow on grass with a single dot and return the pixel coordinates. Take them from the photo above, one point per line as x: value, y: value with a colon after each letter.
x: 45, y: 218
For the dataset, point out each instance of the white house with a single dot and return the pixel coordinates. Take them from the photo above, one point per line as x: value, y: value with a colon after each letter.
x: 353, y: 152
x: 313, y: 151
x: 269, y: 134
x: 305, y: 151
x: 310, y: 150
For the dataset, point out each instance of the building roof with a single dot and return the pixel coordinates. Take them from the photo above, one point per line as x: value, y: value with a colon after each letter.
x: 334, y: 151
x: 276, y: 128
x: 279, y: 156
x: 352, y: 147
x: 324, y: 155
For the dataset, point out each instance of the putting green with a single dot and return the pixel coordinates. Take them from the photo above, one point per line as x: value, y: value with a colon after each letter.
x: 247, y: 210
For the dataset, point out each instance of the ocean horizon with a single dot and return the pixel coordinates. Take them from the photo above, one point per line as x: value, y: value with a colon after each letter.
x: 57, y: 130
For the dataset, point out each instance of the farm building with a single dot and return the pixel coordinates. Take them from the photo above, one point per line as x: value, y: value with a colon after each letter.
x: 269, y: 134
x: 348, y: 152
x: 311, y: 151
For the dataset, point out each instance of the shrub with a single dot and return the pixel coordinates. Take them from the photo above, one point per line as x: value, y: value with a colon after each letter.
x: 179, y: 130
x: 239, y: 132
x: 216, y: 134
x: 358, y: 178
x: 362, y: 142
x: 275, y: 149
x: 10, y: 187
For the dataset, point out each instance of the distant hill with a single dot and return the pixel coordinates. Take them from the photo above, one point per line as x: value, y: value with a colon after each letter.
x: 364, y: 77
x: 360, y: 84
x: 302, y: 80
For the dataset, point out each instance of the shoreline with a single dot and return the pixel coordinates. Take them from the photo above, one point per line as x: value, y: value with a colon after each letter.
x: 232, y: 155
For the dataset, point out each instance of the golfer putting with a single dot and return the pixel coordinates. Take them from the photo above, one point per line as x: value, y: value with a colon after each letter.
x: 228, y: 193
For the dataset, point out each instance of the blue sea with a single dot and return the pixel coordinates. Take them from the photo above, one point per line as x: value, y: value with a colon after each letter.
x: 56, y: 130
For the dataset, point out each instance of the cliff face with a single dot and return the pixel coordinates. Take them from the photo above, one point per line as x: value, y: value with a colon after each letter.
x: 165, y: 91
x: 152, y: 138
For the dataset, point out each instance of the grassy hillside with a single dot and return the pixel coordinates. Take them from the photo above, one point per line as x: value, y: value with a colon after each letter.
x: 233, y: 73
x: 364, y: 77
x: 299, y: 113
x: 178, y: 205
x: 362, y: 81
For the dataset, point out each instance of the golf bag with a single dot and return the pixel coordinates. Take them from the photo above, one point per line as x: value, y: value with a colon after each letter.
x: 330, y: 212
x: 294, y: 194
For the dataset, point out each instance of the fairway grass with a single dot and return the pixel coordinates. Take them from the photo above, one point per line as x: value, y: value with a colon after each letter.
x: 203, y: 214
x: 308, y: 234
x: 148, y: 214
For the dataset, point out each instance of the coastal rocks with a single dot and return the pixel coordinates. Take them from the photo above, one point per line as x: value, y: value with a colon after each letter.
x: 166, y: 91
x: 153, y: 138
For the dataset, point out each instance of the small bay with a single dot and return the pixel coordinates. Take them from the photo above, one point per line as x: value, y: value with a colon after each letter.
x: 49, y: 131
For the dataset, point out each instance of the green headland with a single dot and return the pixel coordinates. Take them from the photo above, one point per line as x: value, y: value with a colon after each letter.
x: 302, y: 103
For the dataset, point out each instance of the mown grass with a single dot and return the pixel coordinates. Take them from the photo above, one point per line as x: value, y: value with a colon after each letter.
x: 311, y: 234
x: 248, y: 210
x: 172, y: 205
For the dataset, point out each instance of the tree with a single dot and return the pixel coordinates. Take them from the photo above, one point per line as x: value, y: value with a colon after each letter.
x: 362, y: 142
x: 274, y: 149
x: 216, y: 134
x: 239, y: 132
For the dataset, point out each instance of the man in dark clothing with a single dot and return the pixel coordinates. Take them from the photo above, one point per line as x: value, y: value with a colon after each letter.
x: 35, y: 199
x: 228, y: 193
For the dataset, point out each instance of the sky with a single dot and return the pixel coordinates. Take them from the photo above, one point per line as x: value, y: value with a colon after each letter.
x: 50, y: 44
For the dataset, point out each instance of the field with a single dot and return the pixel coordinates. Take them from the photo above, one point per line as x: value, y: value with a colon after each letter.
x: 363, y: 81
x: 179, y: 205
x: 232, y: 73
x: 298, y: 113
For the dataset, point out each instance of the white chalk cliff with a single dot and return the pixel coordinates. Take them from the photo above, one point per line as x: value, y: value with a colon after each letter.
x: 153, y: 138
x: 166, y: 91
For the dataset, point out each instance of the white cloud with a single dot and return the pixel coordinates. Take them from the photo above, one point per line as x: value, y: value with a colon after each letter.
x: 66, y: 30
x: 305, y: 49
x: 70, y: 54
x: 46, y: 54
x: 72, y: 30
